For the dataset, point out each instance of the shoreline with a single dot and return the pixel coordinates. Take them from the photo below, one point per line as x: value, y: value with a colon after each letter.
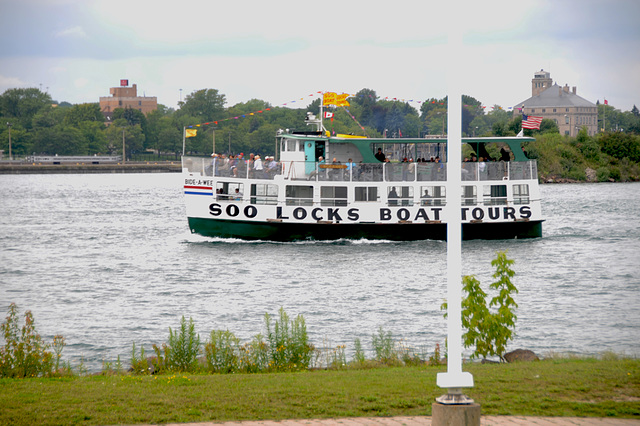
x: 128, y: 167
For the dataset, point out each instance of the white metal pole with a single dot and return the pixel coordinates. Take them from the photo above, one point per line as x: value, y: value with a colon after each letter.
x: 184, y: 139
x: 454, y: 379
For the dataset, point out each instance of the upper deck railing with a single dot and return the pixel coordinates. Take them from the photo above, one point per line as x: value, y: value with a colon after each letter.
x: 362, y: 172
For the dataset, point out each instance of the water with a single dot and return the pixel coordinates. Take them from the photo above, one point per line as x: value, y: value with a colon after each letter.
x: 106, y: 260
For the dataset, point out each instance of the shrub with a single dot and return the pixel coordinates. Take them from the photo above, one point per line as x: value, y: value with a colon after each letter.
x: 602, y: 174
x: 289, y: 347
x: 384, y: 346
x: 489, y: 331
x: 25, y: 354
x: 222, y: 352
x: 183, y: 348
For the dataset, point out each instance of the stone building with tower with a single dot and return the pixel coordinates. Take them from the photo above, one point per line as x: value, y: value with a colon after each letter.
x: 560, y: 104
x: 126, y: 96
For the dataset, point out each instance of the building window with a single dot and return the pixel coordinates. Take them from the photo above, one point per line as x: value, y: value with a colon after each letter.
x: 554, y: 110
x: 566, y: 110
x: 533, y: 110
x: 566, y: 119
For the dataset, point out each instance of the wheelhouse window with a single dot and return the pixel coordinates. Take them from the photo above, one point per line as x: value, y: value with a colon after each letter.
x: 299, y: 195
x: 469, y: 196
x: 333, y: 196
x: 229, y: 191
x: 494, y: 195
x: 521, y: 194
x: 366, y: 193
x: 400, y: 195
x: 433, y: 196
x: 264, y: 194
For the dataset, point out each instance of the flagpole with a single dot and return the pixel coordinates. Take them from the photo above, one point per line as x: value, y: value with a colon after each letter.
x: 184, y: 139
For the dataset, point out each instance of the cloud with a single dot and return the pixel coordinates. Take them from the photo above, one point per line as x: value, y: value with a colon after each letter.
x: 10, y: 82
x: 75, y: 32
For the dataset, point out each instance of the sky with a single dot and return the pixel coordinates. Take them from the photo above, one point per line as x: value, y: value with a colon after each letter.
x: 289, y: 50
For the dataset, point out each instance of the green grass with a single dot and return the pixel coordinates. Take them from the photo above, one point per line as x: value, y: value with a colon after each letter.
x: 555, y: 387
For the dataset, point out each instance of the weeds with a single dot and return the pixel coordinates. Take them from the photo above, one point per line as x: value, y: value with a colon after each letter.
x: 25, y: 354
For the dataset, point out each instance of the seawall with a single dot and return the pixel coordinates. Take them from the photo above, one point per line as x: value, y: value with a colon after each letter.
x: 128, y: 167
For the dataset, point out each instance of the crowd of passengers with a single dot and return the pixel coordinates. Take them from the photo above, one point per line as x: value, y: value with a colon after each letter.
x: 238, y: 166
x: 255, y: 168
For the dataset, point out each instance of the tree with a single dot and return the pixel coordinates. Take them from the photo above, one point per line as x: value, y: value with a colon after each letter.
x: 489, y: 331
x: 83, y: 112
x: 23, y: 104
x: 204, y: 105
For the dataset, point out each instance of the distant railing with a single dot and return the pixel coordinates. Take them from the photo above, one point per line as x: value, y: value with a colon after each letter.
x: 360, y: 172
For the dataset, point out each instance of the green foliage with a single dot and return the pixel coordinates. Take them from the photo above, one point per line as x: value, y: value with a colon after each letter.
x: 384, y: 346
x: 183, y: 347
x: 139, y: 364
x: 486, y: 330
x: 358, y: 355
x: 289, y: 347
x: 222, y: 352
x: 25, y: 354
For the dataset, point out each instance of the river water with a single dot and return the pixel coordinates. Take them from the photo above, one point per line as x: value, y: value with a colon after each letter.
x: 108, y: 260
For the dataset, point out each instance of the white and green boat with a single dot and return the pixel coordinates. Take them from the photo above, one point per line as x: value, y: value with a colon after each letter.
x: 306, y: 195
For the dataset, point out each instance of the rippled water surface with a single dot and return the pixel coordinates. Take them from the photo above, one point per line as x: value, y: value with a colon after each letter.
x: 106, y: 260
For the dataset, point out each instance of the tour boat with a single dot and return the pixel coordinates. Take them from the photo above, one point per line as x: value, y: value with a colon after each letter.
x: 325, y: 187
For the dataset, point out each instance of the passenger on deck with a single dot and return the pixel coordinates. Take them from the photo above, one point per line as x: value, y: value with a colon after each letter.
x: 258, y: 168
x: 504, y: 155
x: 380, y: 155
x: 392, y: 197
x: 238, y: 194
x: 426, y: 198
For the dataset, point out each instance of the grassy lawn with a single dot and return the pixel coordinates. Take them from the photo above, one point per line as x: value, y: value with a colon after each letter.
x: 564, y: 387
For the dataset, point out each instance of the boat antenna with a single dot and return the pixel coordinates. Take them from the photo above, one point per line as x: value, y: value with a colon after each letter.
x: 312, y: 120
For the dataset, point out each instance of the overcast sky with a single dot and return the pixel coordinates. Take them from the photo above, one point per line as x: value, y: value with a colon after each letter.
x: 285, y: 50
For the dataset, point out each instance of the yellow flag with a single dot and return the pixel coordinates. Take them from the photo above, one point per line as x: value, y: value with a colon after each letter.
x: 329, y: 98
x: 341, y: 100
x: 191, y: 132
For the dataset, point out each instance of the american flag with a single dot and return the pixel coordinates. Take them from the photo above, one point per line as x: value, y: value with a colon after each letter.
x: 531, y: 122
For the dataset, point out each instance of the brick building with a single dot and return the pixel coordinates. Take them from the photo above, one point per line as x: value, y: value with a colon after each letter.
x: 125, y: 96
x: 560, y: 104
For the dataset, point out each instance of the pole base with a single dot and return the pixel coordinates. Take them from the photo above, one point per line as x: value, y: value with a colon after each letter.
x: 455, y: 415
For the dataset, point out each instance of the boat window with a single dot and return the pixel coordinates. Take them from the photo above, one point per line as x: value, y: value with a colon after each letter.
x: 229, y: 191
x: 469, y: 195
x: 521, y: 194
x: 333, y: 196
x: 292, y: 145
x: 299, y: 195
x: 264, y: 194
x: 433, y: 196
x: 366, y: 193
x: 399, y: 195
x: 494, y: 195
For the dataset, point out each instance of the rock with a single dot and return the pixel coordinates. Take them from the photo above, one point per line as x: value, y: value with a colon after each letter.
x: 591, y: 174
x: 521, y: 355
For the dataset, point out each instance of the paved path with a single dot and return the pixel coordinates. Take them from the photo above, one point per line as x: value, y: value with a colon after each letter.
x: 426, y: 421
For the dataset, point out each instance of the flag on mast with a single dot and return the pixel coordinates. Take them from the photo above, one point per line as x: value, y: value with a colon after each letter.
x: 531, y: 122
x: 189, y: 133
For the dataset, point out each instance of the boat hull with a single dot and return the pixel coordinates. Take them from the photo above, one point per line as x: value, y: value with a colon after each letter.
x: 284, y: 231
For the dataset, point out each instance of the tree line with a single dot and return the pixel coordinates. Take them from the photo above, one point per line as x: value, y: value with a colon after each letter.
x: 41, y: 126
